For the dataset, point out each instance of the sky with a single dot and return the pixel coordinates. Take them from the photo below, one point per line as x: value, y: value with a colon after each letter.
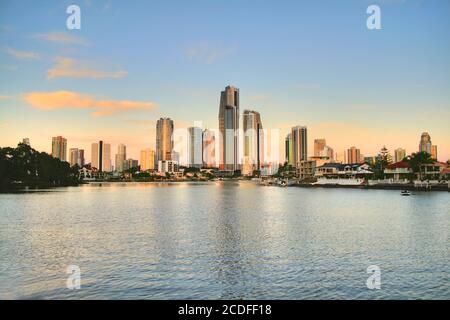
x: 311, y: 63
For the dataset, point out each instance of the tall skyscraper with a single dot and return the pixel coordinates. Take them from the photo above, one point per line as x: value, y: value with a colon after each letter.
x: 209, y: 148
x: 229, y: 129
x: 353, y: 155
x: 76, y: 157
x: 164, y: 139
x: 253, y: 141
x: 73, y: 156
x: 81, y: 160
x: 299, y: 144
x: 121, y: 156
x: 399, y: 154
x: 288, y: 150
x: 101, y: 156
x: 96, y: 155
x: 59, y: 148
x: 195, y: 146
x: 434, y: 153
x: 319, y: 145
x: 147, y: 159
x: 425, y: 143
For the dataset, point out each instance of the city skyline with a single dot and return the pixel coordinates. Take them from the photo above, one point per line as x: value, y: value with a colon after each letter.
x: 196, y: 146
x: 70, y: 83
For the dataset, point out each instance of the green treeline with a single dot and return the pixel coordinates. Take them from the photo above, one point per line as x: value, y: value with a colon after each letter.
x: 24, y: 166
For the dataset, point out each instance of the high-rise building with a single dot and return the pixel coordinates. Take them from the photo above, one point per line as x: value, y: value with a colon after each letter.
x: 73, y: 156
x: 131, y: 163
x: 322, y: 150
x: 164, y: 139
x: 121, y: 157
x: 229, y: 129
x: 399, y: 154
x: 81, y: 159
x: 101, y: 156
x: 434, y: 153
x: 59, y: 148
x: 253, y: 141
x: 425, y: 143
x: 209, y: 148
x: 327, y: 152
x: 299, y: 145
x: 353, y: 155
x: 288, y: 150
x: 76, y: 157
x: 147, y: 159
x: 341, y: 157
x: 319, y: 146
x: 175, y: 156
x: 195, y: 146
x: 107, y: 167
x: 26, y: 141
x: 167, y: 166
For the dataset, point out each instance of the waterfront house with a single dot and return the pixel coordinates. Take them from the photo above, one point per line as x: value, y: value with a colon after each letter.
x: 434, y: 171
x: 398, y: 171
x: 346, y: 171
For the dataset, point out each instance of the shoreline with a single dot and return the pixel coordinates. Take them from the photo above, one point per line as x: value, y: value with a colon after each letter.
x: 409, y: 187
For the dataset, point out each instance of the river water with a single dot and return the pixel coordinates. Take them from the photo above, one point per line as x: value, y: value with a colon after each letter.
x: 223, y: 240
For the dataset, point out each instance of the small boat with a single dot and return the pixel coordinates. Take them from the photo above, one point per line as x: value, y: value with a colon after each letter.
x: 405, y: 193
x: 282, y: 183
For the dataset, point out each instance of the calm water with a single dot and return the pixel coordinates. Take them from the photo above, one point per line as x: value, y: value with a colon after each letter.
x: 223, y: 241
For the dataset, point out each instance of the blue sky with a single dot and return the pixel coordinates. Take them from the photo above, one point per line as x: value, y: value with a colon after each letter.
x: 313, y: 63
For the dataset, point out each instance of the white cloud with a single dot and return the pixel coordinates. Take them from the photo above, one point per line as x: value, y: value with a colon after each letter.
x: 71, y: 68
x: 61, y: 37
x: 18, y: 54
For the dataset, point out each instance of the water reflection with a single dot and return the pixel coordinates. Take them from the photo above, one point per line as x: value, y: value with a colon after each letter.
x: 231, y: 240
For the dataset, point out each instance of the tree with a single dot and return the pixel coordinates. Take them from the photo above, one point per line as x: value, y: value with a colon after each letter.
x: 379, y: 167
x: 27, y: 166
x: 417, y: 159
x: 190, y: 170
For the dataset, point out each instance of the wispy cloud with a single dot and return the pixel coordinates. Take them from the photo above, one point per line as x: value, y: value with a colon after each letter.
x: 206, y: 53
x: 61, y: 37
x: 74, y: 100
x: 71, y: 68
x: 18, y: 54
x: 3, y: 97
